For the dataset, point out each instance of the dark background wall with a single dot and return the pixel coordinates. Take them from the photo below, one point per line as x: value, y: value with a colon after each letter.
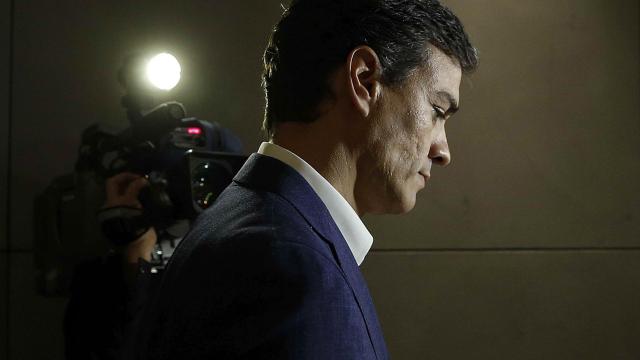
x: 526, y: 247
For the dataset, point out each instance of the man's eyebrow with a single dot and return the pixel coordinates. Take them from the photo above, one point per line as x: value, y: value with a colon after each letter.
x: 453, y: 104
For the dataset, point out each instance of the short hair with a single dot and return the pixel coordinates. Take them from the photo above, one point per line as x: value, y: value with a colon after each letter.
x: 314, y: 37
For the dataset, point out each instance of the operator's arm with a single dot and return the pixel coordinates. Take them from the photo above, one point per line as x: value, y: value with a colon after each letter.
x: 105, y: 296
x: 123, y: 190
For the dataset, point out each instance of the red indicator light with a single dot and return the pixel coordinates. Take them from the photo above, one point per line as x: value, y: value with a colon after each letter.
x: 194, y: 131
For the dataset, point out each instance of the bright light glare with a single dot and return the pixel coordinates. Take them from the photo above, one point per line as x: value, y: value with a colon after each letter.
x: 163, y: 71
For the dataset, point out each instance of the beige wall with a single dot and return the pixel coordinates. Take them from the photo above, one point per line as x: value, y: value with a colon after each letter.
x: 526, y: 247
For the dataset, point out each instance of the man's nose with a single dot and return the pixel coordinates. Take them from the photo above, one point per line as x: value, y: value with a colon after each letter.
x: 439, y: 151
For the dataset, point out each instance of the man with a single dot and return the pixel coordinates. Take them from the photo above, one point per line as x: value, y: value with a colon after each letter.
x: 358, y: 93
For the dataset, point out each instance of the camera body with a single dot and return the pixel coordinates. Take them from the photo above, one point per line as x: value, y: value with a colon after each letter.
x: 155, y: 146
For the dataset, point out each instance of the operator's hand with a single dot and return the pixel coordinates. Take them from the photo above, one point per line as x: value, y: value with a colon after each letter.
x: 123, y: 190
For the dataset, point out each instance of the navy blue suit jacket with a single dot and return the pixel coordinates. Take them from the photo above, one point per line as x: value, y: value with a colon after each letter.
x: 263, y: 274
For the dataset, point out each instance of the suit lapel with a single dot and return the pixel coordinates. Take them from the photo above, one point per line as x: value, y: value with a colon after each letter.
x: 266, y: 173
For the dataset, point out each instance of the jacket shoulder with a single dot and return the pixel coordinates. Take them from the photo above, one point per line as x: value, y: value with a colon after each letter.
x: 242, y: 213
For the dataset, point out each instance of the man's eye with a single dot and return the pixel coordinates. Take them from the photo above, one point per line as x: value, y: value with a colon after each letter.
x: 439, y: 112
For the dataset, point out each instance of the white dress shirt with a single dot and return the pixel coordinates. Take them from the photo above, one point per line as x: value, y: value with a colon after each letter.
x: 349, y: 223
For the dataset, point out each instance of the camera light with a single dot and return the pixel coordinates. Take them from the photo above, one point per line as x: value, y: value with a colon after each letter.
x: 194, y: 131
x: 163, y: 71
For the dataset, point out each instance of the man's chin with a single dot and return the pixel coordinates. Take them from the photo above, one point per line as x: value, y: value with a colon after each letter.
x: 403, y: 205
x: 394, y: 205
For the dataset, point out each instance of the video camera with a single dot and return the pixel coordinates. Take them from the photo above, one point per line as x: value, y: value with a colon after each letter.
x: 187, y: 161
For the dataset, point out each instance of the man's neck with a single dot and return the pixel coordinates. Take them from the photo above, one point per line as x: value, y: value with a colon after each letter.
x: 329, y: 155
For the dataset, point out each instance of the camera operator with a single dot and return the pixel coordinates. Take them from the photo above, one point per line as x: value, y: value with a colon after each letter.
x: 108, y: 293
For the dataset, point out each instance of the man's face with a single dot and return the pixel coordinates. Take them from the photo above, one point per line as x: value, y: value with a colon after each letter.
x: 406, y: 136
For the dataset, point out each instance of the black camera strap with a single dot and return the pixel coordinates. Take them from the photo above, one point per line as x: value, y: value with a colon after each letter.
x: 122, y: 225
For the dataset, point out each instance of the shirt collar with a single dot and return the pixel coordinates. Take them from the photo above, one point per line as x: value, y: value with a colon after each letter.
x: 349, y: 223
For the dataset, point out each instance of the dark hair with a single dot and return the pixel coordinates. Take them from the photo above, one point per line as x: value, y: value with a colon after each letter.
x: 315, y: 36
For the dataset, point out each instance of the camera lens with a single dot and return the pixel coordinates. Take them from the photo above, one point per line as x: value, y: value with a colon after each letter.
x: 209, y: 180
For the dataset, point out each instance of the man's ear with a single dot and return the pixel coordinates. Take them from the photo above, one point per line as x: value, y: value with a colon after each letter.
x: 365, y: 72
